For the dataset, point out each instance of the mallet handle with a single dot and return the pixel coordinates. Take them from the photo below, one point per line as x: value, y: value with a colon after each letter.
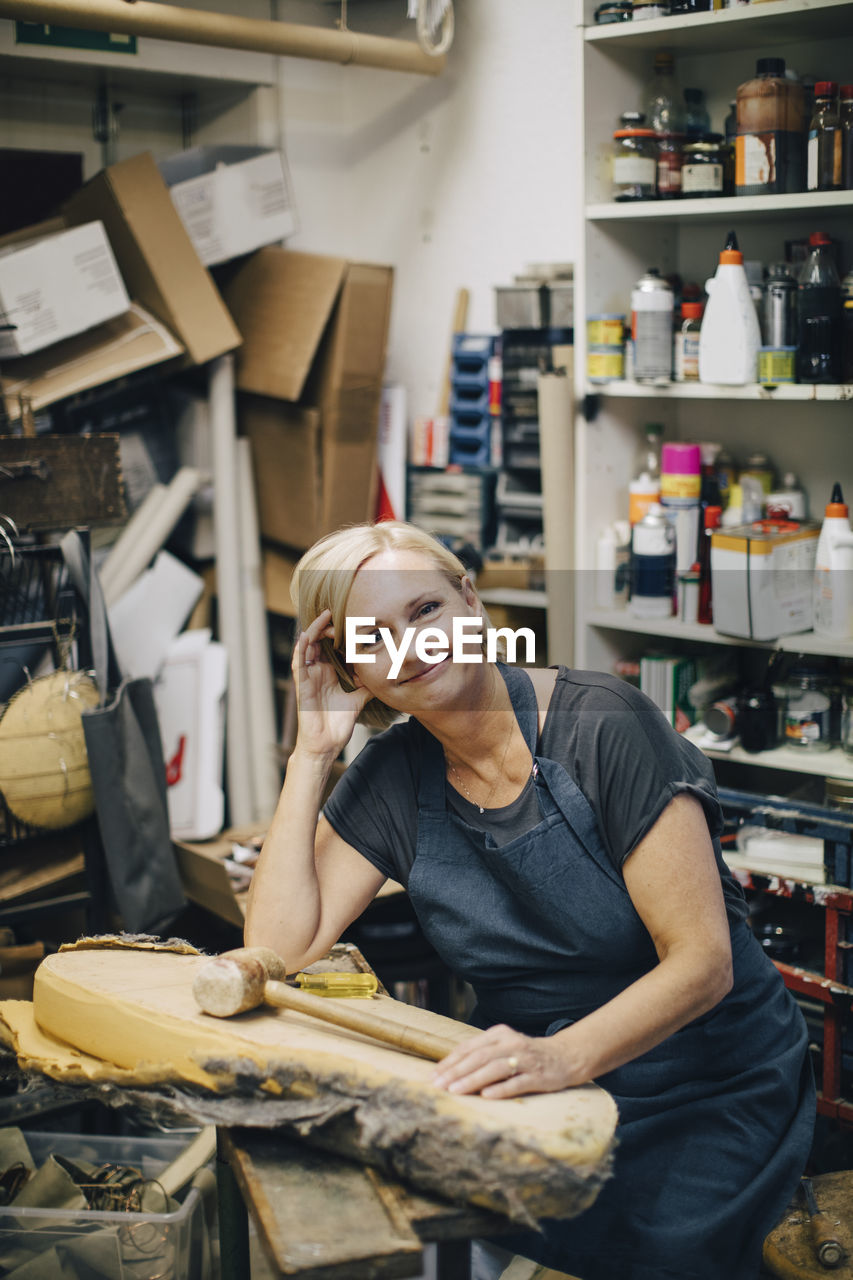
x: 341, y: 1013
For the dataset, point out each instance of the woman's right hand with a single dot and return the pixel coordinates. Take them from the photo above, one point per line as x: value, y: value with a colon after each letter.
x: 327, y: 714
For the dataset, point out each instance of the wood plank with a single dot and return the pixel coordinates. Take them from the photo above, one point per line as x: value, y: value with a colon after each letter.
x: 56, y: 482
x: 320, y: 1218
x: 537, y: 1156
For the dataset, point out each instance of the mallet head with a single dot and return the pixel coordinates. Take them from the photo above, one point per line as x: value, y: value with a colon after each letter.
x: 234, y: 982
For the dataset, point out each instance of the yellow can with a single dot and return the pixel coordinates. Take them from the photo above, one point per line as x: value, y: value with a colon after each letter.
x: 605, y: 364
x: 605, y: 330
x: 776, y: 364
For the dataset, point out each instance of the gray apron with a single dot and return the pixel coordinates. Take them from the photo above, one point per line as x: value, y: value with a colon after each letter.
x: 715, y: 1122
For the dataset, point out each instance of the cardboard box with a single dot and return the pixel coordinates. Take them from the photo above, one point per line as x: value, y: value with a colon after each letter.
x: 114, y: 349
x: 231, y: 200
x: 278, y: 566
x: 160, y: 267
x: 315, y: 331
x: 762, y: 578
x: 55, y: 286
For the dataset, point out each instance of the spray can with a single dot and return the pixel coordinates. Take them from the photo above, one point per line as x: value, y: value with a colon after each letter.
x: 833, y: 574
x: 651, y: 328
x: 652, y: 565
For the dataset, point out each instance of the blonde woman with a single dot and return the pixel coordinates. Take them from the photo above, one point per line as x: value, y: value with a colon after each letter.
x: 559, y: 842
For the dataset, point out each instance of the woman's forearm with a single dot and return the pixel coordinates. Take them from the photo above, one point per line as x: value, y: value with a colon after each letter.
x: 682, y: 987
x: 283, y: 910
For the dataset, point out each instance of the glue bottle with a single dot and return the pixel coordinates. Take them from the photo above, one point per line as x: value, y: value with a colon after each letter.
x: 833, y: 574
x: 730, y: 335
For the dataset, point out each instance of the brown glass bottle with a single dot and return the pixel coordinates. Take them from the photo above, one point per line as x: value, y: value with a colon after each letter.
x: 825, y: 140
x: 769, y: 157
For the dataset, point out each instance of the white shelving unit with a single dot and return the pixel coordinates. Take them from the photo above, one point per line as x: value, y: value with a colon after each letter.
x: 804, y: 429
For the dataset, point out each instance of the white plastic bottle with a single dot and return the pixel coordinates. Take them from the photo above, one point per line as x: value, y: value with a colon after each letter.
x: 730, y: 335
x: 833, y: 574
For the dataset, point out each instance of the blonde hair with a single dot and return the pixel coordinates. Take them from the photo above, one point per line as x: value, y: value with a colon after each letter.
x: 324, y: 576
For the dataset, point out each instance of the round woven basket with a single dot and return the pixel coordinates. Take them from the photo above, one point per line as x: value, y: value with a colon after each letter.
x: 44, y: 768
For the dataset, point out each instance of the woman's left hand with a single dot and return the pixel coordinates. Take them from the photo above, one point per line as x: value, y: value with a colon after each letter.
x: 502, y: 1063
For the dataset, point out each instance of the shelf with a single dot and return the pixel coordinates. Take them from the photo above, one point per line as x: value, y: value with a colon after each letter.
x: 721, y: 208
x: 790, y: 391
x: 834, y: 763
x: 514, y: 597
x: 730, y: 30
x: 675, y: 629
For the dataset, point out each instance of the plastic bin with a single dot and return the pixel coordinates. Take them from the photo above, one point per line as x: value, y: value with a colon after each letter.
x: 117, y: 1245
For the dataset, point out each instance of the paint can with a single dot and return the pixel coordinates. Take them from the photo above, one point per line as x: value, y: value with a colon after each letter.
x: 605, y: 364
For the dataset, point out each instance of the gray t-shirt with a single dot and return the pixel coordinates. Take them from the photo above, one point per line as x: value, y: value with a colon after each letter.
x: 612, y: 741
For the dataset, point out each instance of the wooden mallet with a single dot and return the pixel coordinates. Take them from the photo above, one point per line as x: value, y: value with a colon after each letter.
x: 248, y: 977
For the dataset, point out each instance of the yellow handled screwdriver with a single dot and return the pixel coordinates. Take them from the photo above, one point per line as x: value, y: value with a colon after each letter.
x: 347, y: 985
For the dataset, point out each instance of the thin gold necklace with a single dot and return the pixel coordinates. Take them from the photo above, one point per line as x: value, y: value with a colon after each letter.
x: 482, y: 807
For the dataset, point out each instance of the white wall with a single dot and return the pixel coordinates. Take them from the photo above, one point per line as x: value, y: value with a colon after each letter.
x: 457, y: 181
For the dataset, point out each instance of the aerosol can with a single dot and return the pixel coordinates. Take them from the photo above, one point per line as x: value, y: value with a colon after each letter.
x: 833, y: 575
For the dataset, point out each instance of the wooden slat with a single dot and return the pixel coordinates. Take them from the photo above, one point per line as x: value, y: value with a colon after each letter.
x: 74, y: 480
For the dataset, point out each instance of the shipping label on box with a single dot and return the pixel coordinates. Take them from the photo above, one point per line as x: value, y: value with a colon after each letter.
x: 762, y: 578
x: 231, y: 200
x: 57, y: 286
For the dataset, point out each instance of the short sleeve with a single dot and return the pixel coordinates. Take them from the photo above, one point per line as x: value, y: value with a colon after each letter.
x: 630, y: 763
x: 373, y: 807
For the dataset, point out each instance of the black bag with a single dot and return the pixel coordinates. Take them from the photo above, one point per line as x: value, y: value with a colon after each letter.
x: 128, y: 772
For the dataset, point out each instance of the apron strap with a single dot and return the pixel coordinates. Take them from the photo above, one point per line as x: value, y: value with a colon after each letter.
x: 431, y: 788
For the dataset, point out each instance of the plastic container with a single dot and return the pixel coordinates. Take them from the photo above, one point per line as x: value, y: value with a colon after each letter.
x: 146, y: 1244
x: 769, y: 148
x: 652, y: 565
x: 820, y: 314
x: 730, y: 336
x: 681, y: 470
x: 833, y: 574
x: 686, y: 346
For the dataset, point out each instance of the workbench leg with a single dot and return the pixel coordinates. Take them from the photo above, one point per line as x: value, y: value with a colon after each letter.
x: 233, y: 1219
x: 453, y: 1260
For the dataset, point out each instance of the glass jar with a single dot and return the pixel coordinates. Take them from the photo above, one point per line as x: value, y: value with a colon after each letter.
x: 614, y: 11
x: 808, y: 709
x: 634, y: 168
x: 838, y: 795
x: 703, y: 167
x: 670, y: 159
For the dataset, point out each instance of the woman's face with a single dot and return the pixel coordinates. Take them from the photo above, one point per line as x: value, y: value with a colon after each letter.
x: 408, y: 595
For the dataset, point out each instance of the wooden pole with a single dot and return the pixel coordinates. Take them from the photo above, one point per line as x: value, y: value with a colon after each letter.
x: 228, y: 31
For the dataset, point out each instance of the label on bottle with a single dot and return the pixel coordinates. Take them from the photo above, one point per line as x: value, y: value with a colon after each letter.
x: 811, y: 162
x: 755, y: 160
x: 676, y: 484
x: 629, y: 169
x: 687, y: 357
x: 701, y: 178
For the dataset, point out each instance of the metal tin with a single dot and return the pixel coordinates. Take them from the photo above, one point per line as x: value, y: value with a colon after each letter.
x: 779, y: 320
x: 777, y: 364
x: 605, y: 330
x: 651, y: 328
x: 605, y: 364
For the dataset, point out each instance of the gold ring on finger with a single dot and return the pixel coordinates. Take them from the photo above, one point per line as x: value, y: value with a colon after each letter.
x: 512, y: 1063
